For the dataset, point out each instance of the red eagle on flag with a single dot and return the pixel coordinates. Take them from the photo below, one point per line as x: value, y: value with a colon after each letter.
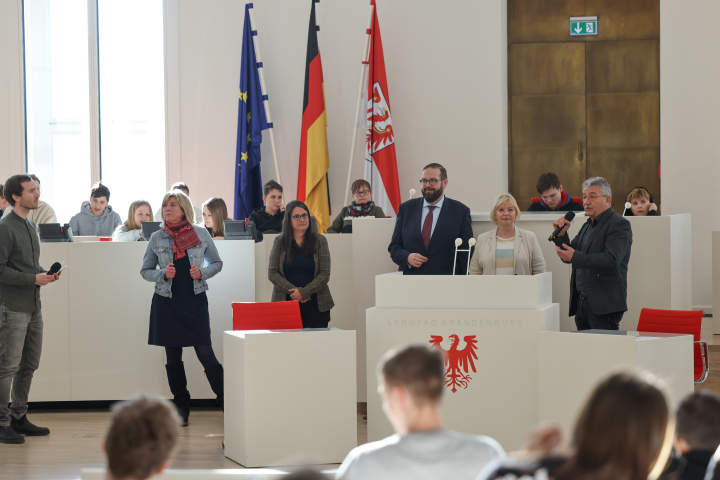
x: 457, y: 361
x: 380, y: 162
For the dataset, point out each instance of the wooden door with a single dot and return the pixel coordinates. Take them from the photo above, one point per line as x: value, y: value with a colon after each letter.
x: 584, y: 106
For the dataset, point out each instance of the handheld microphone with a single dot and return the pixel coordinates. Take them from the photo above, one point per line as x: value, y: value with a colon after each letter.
x: 54, y: 269
x: 627, y: 206
x: 568, y: 216
x: 412, y: 192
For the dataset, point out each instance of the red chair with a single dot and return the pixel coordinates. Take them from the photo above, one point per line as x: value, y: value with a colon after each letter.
x: 574, y: 199
x: 679, y: 321
x: 266, y: 315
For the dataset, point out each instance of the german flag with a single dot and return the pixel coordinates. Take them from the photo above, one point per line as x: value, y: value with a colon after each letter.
x: 314, y: 157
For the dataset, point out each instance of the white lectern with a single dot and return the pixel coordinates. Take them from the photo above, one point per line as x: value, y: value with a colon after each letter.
x: 572, y: 364
x: 290, y: 396
x: 497, y: 317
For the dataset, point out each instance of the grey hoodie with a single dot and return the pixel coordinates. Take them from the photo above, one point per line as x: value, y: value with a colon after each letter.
x: 87, y: 223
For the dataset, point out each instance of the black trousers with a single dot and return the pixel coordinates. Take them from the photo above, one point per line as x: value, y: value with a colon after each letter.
x: 585, y: 318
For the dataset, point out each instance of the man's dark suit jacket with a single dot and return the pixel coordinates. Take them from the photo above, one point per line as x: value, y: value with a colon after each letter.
x: 604, y: 263
x: 453, y: 222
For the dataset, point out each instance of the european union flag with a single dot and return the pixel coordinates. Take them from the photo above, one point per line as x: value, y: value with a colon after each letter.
x: 251, y: 123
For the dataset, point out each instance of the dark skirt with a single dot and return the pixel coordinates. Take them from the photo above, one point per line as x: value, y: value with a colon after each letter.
x: 183, y: 320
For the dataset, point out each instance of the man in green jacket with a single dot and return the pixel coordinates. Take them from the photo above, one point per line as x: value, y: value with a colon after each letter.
x: 21, y: 325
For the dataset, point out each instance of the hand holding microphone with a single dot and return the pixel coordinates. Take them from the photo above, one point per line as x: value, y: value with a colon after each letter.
x: 561, y: 226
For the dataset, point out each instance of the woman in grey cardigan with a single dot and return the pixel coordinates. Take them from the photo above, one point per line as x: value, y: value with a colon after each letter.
x: 299, y: 267
x: 507, y: 249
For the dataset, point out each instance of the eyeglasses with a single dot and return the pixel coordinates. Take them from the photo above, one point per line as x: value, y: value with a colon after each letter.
x: 593, y: 197
x: 363, y: 193
x: 303, y: 216
x: 431, y: 181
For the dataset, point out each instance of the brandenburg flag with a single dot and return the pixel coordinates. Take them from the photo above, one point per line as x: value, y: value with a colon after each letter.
x: 314, y: 158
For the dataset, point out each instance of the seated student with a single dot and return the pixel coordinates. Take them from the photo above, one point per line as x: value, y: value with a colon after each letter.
x: 96, y: 217
x: 361, y: 206
x: 214, y: 213
x: 143, y: 433
x: 622, y: 432
x: 697, y: 435
x: 43, y: 214
x: 411, y: 385
x: 552, y: 196
x: 131, y: 230
x: 3, y: 203
x: 508, y: 249
x: 641, y: 203
x: 268, y: 219
x: 186, y: 190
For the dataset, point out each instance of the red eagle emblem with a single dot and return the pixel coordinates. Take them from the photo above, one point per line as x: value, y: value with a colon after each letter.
x: 379, y: 122
x: 457, y: 361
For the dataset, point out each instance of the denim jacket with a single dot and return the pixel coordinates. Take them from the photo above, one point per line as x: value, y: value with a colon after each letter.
x: 159, y: 254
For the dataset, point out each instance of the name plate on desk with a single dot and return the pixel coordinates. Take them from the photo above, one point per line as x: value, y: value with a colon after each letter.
x: 515, y: 292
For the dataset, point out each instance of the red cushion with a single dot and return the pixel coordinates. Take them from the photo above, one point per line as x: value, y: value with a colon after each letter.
x: 266, y: 315
x: 675, y: 321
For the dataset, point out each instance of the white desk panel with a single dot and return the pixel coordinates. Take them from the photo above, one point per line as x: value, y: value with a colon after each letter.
x: 52, y: 380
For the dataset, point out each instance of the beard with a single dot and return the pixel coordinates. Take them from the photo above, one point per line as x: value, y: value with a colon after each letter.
x: 431, y: 194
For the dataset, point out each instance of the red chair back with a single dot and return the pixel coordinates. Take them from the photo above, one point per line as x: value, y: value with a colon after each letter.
x: 687, y: 322
x: 266, y: 315
x: 574, y: 199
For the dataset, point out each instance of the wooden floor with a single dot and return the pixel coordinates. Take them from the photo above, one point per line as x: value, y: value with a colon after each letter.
x: 76, y: 437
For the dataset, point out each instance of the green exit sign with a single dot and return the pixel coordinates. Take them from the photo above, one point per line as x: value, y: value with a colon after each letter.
x: 583, y: 26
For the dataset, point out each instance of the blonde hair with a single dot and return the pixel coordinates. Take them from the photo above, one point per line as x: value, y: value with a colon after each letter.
x: 218, y: 210
x: 130, y: 223
x: 184, y: 203
x: 500, y: 201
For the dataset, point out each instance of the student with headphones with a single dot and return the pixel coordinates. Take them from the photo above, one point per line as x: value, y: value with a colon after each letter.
x: 639, y: 203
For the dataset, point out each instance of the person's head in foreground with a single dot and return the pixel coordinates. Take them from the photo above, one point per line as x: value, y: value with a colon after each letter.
x: 410, y: 382
x: 143, y: 433
x: 622, y: 433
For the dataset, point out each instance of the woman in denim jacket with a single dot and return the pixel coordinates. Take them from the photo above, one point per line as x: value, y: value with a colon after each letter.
x: 179, y: 259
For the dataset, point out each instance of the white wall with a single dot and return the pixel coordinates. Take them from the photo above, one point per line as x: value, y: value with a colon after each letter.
x: 448, y: 95
x: 12, y: 136
x: 689, y: 127
x: 447, y: 71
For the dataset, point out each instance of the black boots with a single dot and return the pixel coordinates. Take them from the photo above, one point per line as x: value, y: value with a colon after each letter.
x: 215, y: 377
x: 24, y: 426
x: 178, y: 387
x: 8, y: 435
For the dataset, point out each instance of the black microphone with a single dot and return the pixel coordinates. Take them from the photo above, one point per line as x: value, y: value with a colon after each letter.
x: 54, y: 269
x: 568, y: 216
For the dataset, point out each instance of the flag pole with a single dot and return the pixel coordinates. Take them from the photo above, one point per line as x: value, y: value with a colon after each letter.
x: 266, y: 100
x: 363, y: 70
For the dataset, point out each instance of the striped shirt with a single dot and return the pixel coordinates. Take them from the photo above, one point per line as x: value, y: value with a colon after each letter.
x: 505, y: 256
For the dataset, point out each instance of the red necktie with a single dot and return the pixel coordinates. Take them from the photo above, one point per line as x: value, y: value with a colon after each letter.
x: 427, y: 226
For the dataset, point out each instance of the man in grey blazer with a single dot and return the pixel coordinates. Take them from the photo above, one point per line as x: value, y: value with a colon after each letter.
x: 599, y: 256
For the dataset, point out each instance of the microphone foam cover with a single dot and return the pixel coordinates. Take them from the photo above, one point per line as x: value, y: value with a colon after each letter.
x: 627, y: 205
x: 458, y: 242
x: 55, y: 268
x: 472, y: 242
x: 569, y: 216
x: 412, y: 191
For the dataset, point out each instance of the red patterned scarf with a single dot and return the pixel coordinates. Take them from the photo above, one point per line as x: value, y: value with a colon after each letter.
x: 184, y: 237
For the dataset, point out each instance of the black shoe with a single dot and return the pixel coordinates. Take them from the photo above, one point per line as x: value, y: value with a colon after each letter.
x: 23, y: 425
x: 178, y: 387
x: 215, y: 376
x: 8, y: 435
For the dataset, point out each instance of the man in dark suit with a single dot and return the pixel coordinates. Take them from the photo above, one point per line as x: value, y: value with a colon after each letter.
x: 423, y: 242
x: 599, y: 255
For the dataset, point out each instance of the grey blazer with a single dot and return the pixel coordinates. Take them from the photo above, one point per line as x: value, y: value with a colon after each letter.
x: 319, y: 285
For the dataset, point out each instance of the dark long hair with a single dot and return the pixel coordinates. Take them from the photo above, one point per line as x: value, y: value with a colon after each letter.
x: 286, y: 235
x: 620, y: 432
